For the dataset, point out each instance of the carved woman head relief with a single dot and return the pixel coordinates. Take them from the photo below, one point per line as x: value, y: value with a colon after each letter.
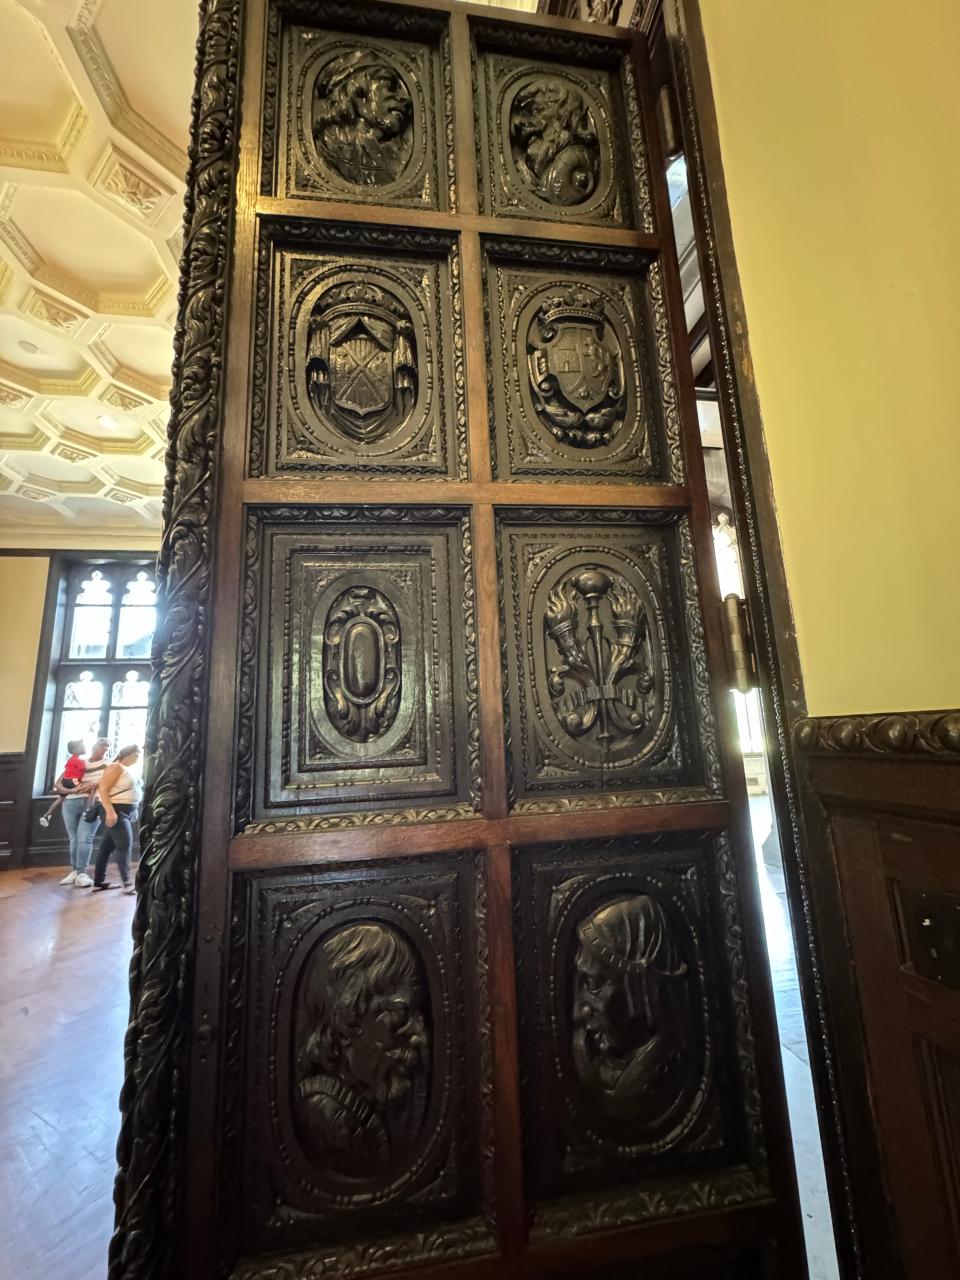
x: 363, y: 118
x: 631, y: 1010
x: 361, y: 1050
x: 576, y: 369
x: 361, y: 360
x: 553, y: 139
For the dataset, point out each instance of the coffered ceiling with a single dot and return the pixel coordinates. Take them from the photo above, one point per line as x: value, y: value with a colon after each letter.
x: 94, y: 117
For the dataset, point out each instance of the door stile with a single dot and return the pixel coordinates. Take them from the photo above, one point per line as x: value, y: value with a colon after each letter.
x: 215, y: 885
x: 488, y: 660
x: 772, y: 1092
x: 510, y: 1195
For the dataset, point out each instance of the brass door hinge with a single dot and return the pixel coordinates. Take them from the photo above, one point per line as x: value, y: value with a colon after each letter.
x: 740, y: 648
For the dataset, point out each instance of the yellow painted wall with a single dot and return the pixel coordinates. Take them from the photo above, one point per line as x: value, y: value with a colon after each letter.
x: 23, y: 584
x: 839, y: 124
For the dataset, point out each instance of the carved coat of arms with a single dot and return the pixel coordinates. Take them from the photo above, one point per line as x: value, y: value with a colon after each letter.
x: 361, y: 361
x: 576, y: 370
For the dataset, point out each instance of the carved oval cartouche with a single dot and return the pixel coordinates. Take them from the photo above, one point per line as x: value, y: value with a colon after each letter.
x: 361, y: 664
x: 363, y: 118
x: 553, y: 140
x: 361, y: 659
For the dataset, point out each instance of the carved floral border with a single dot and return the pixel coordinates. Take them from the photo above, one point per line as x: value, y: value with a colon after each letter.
x: 150, y: 1150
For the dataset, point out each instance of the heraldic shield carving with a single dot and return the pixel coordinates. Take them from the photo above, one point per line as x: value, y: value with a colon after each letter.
x: 361, y: 361
x: 576, y: 370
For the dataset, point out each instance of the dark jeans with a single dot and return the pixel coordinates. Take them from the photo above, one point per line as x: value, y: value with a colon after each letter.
x: 117, y: 840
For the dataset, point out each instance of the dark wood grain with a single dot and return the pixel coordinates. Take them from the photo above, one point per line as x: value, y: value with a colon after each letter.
x: 354, y: 1069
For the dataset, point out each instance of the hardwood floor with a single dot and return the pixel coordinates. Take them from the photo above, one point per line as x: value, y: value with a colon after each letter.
x: 64, y: 954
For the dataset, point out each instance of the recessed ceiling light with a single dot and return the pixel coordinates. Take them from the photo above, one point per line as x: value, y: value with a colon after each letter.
x: 106, y: 421
x: 31, y: 348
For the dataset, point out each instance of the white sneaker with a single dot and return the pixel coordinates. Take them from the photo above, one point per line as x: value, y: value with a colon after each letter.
x: 69, y: 878
x: 83, y: 881
x: 129, y: 888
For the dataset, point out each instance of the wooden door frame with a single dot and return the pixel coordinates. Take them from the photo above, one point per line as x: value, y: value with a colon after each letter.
x: 175, y: 952
x: 858, y: 1196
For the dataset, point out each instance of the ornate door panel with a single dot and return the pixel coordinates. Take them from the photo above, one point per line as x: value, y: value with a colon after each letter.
x: 448, y: 947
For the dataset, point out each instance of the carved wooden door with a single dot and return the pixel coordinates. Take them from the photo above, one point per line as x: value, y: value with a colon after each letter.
x: 448, y: 949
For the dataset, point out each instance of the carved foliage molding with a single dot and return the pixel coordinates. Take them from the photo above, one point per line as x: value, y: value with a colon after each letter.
x: 367, y: 1040
x: 153, y: 1119
x: 603, y: 662
x: 582, y: 381
x: 637, y: 1059
x: 921, y: 733
x: 557, y: 138
x: 358, y: 360
x: 351, y: 114
x: 358, y: 673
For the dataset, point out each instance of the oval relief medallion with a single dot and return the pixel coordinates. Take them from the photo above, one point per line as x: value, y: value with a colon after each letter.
x: 361, y: 664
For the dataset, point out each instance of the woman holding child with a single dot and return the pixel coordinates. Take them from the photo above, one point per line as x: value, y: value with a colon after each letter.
x: 76, y: 800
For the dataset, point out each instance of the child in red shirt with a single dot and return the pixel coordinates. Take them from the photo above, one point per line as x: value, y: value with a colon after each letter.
x: 73, y: 772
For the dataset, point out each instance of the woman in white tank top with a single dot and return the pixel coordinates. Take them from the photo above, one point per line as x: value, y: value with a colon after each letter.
x: 119, y: 793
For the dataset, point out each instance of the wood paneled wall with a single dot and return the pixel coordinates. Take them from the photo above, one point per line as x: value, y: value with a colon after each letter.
x: 889, y: 787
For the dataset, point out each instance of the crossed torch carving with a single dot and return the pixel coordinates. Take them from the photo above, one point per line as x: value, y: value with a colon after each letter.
x: 596, y: 665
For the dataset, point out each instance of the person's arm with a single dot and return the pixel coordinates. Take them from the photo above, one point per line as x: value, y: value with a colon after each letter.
x: 109, y: 777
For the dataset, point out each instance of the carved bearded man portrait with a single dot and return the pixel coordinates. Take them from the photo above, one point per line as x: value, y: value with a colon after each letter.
x: 554, y: 141
x: 361, y: 1046
x: 362, y: 118
x: 631, y: 1009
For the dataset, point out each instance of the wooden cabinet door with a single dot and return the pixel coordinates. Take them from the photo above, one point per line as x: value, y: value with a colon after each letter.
x: 448, y: 948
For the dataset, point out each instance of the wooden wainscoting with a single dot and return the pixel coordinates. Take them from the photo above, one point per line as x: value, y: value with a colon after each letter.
x: 890, y: 789
x: 12, y: 818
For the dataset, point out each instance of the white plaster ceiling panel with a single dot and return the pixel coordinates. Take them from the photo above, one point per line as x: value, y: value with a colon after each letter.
x: 37, y: 352
x: 36, y: 97
x: 86, y: 243
x: 145, y: 44
x: 94, y: 120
